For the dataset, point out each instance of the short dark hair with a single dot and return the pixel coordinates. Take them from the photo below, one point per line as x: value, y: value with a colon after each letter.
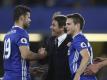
x: 77, y: 18
x: 19, y: 11
x: 61, y: 19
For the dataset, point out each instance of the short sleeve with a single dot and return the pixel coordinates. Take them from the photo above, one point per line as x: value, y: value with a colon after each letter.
x: 22, y: 40
x: 79, y: 45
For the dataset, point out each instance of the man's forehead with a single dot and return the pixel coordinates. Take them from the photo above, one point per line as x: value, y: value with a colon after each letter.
x: 69, y: 20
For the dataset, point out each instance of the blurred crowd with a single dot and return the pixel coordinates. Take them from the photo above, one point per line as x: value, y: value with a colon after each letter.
x: 54, y: 3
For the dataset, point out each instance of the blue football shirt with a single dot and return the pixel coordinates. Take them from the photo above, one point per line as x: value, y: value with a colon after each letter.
x: 79, y: 42
x: 13, y: 62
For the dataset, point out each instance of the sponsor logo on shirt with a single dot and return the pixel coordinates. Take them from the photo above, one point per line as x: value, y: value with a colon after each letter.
x: 23, y: 40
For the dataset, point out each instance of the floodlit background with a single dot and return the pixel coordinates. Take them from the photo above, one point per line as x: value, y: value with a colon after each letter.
x: 94, y: 12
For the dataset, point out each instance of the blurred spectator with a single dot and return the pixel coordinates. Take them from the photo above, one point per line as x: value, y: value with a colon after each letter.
x: 30, y: 2
x: 58, y: 3
x: 7, y: 2
x: 1, y: 59
x: 18, y: 2
x: 75, y: 3
x: 101, y: 2
x: 51, y: 3
x: 102, y: 74
x: 1, y: 2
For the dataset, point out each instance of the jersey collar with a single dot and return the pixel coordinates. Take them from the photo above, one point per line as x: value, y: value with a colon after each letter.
x: 77, y: 34
x: 17, y: 26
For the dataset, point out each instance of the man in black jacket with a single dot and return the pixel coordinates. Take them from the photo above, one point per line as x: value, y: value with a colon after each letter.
x: 57, y: 49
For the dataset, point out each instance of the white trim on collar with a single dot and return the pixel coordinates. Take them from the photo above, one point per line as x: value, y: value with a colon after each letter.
x: 17, y: 26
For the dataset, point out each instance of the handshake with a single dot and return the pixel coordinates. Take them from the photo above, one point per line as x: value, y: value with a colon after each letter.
x: 42, y: 53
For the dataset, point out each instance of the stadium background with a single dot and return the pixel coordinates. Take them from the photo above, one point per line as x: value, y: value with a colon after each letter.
x: 94, y: 12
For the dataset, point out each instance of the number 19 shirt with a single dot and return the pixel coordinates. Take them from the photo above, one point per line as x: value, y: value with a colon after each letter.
x: 15, y: 67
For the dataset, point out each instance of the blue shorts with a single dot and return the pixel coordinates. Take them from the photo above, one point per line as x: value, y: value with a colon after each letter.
x: 10, y: 76
x: 87, y: 77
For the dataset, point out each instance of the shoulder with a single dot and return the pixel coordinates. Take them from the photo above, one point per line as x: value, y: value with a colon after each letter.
x: 80, y: 38
x: 80, y: 41
x: 50, y: 38
x: 20, y: 35
x: 21, y: 32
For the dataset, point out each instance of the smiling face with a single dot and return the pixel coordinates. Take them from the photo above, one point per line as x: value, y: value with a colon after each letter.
x: 74, y: 23
x: 55, y: 30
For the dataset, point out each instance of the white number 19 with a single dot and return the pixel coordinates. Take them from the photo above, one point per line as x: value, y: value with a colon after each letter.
x: 7, y: 48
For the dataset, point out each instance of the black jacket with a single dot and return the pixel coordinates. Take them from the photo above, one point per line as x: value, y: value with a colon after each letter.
x: 58, y: 60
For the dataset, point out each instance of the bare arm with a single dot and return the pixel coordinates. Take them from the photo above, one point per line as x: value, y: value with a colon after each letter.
x: 26, y: 53
x: 103, y: 63
x: 94, y: 68
x: 100, y: 59
x: 85, y: 58
x: 99, y: 65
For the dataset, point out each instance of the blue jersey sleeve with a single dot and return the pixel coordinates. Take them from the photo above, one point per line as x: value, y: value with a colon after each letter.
x: 80, y: 44
x: 22, y: 40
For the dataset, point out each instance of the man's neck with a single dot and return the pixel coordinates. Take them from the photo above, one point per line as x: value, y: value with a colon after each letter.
x: 76, y: 33
x: 18, y: 24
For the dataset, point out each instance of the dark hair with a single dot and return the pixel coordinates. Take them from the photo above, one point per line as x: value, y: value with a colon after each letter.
x: 77, y: 18
x: 19, y: 11
x: 61, y: 19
